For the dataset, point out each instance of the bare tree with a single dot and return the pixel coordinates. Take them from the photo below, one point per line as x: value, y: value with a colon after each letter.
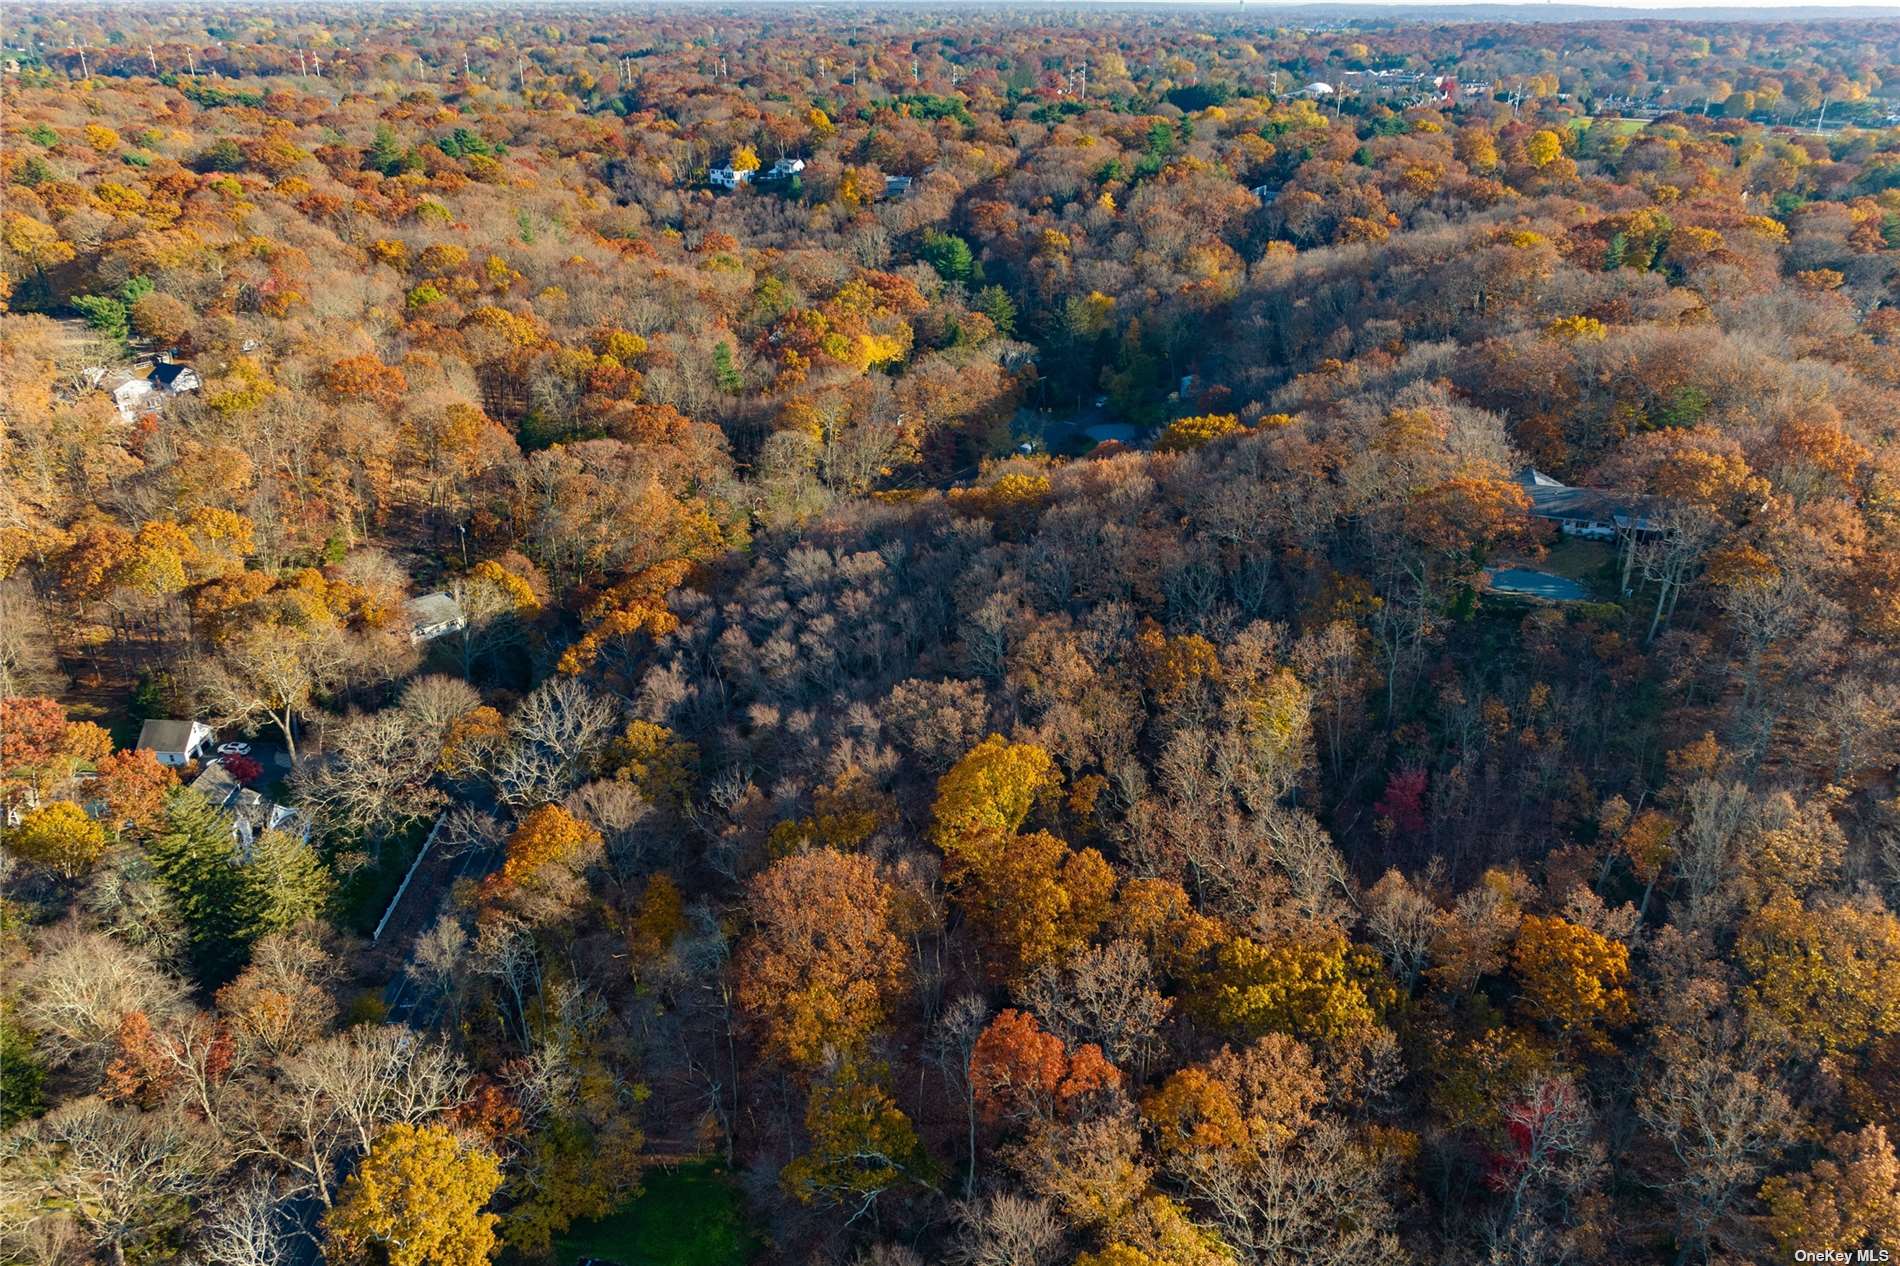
x: 1715, y: 1100
x: 250, y: 1226
x: 1320, y: 1200
x: 1105, y: 994
x: 375, y: 776
x: 126, y: 1176
x: 329, y: 1101
x: 434, y: 702
x: 271, y: 672
x: 1006, y: 1230
x: 82, y: 985
x: 553, y: 739
x: 952, y: 1041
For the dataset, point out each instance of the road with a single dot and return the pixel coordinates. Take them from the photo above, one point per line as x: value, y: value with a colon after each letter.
x: 413, y: 913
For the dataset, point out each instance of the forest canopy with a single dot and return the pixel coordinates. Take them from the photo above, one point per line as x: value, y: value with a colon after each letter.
x: 1020, y: 638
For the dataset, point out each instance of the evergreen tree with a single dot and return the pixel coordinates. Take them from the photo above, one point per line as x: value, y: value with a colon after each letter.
x: 386, y: 153
x: 727, y: 373
x: 195, y: 858
x: 949, y: 255
x: 1618, y: 251
x: 285, y: 883
x: 994, y: 302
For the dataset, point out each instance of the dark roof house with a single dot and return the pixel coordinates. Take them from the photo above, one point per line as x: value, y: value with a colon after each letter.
x: 251, y: 813
x: 1586, y: 512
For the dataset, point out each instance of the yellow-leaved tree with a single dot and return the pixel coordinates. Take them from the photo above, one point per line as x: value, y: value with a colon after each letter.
x: 1847, y: 1202
x: 992, y: 789
x: 1572, y: 976
x: 417, y: 1200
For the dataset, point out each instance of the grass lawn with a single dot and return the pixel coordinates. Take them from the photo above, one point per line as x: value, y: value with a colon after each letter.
x: 1589, y: 563
x: 690, y: 1216
x: 1620, y: 127
x: 361, y: 899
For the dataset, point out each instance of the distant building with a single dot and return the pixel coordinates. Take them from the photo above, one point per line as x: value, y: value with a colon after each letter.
x: 1317, y: 89
x: 786, y: 168
x: 896, y: 186
x: 729, y: 177
x: 131, y: 394
x: 432, y: 615
x: 136, y: 393
x: 175, y: 742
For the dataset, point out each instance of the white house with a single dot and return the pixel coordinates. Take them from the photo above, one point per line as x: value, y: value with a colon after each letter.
x: 1317, y: 88
x: 786, y: 168
x: 175, y: 742
x: 132, y: 394
x: 432, y: 615
x: 730, y: 177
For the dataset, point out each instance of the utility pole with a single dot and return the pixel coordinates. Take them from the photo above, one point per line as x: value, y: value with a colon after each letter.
x: 152, y: 53
x: 84, y: 73
x: 191, y: 62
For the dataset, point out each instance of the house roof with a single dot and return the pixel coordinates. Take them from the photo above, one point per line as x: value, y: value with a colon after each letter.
x: 166, y: 372
x: 1552, y: 499
x: 433, y: 608
x: 217, y: 784
x: 166, y: 736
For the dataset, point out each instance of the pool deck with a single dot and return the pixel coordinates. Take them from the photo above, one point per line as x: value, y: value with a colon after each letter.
x: 1525, y: 582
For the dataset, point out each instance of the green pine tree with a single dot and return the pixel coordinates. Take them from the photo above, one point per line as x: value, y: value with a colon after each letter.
x: 949, y: 255
x: 994, y: 302
x: 386, y: 153
x: 195, y: 859
x: 1618, y: 251
x: 285, y: 883
x: 727, y: 373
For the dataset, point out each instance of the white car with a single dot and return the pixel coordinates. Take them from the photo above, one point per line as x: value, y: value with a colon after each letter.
x: 234, y: 749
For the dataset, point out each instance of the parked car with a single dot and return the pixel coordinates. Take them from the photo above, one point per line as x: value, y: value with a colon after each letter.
x: 234, y: 749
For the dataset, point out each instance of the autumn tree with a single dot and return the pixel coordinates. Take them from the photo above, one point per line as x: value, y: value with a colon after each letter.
x: 826, y: 960
x: 862, y: 1146
x: 1847, y: 1201
x: 417, y: 1200
x: 1572, y: 976
x: 60, y: 836
x: 1021, y: 1073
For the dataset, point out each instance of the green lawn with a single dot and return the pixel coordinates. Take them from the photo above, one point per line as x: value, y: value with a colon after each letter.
x: 361, y: 899
x: 690, y: 1216
x: 1620, y: 127
x: 1591, y: 564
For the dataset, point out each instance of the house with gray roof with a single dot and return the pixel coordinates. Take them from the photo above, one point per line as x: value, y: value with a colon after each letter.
x: 1590, y: 513
x: 432, y: 615
x: 175, y: 742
